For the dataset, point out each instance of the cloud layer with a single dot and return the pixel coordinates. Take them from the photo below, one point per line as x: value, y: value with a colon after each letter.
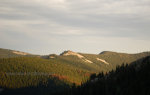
x: 51, y: 26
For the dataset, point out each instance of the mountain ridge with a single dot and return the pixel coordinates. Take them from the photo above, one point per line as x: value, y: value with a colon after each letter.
x: 69, y: 67
x: 67, y: 51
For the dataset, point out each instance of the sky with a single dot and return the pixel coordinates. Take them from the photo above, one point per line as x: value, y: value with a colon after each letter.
x: 88, y: 26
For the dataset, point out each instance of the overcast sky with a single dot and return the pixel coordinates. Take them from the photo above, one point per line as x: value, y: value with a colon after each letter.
x: 89, y: 26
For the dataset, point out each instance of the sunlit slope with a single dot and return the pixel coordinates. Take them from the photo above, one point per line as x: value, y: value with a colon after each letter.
x: 7, y: 53
x: 109, y: 60
x: 34, y: 69
x: 104, y: 61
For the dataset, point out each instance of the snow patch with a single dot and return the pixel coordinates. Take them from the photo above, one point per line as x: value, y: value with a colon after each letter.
x: 102, y: 61
x: 20, y: 53
x: 67, y: 53
x: 51, y: 57
x: 73, y: 53
x: 86, y: 60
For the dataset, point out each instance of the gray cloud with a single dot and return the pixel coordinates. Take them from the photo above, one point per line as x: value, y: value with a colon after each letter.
x: 58, y: 22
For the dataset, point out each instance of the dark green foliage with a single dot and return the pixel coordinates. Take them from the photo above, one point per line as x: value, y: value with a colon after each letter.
x: 126, y: 80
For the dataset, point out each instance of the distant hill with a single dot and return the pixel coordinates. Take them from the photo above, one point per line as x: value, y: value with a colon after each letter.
x: 7, y: 53
x: 109, y: 60
x: 104, y: 61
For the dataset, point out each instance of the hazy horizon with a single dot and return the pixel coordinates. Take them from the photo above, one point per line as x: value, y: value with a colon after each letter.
x: 47, y: 53
x: 87, y: 26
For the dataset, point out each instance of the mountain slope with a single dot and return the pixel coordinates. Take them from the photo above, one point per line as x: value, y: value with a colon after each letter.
x: 109, y: 60
x: 29, y: 65
x: 104, y: 61
x: 19, y: 70
x: 126, y: 80
x: 33, y: 72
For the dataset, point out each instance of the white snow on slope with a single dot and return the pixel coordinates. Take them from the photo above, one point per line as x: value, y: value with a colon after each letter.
x: 102, y: 61
x: 73, y: 53
x: 78, y: 55
x: 20, y: 53
x: 86, y: 60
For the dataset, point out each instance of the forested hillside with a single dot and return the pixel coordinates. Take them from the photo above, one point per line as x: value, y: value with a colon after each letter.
x: 127, y: 79
x: 104, y: 61
x: 24, y: 74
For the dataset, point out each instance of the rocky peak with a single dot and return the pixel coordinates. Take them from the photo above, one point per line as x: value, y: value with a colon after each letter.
x: 19, y: 53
